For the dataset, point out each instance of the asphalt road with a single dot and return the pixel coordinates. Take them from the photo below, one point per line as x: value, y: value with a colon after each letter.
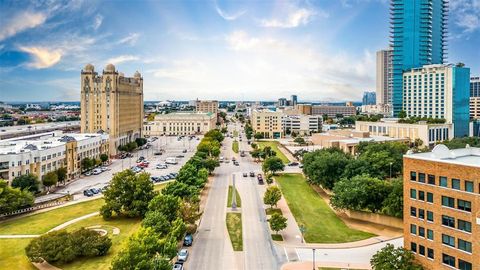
x: 212, y: 248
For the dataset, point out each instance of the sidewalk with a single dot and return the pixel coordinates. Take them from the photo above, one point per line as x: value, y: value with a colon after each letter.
x: 309, y: 266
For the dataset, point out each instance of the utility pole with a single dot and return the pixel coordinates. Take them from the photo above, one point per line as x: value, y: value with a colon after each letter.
x: 234, y: 195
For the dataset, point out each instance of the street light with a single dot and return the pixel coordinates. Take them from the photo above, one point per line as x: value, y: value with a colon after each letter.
x: 313, y: 251
x: 391, y: 170
x: 303, y: 229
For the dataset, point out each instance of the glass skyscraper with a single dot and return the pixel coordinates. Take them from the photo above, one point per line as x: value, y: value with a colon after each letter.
x: 418, y: 37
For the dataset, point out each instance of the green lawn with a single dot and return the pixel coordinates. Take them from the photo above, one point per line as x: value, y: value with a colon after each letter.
x: 269, y: 211
x: 12, y: 254
x: 274, y: 146
x: 234, y: 226
x: 309, y: 209
x: 277, y: 237
x: 237, y: 195
x: 235, y: 146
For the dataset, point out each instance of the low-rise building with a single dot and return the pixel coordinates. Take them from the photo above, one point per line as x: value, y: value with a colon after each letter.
x: 384, y: 109
x: 331, y: 110
x: 301, y: 124
x: 429, y: 134
x: 442, y: 207
x: 43, y: 153
x: 174, y: 124
x: 207, y: 106
x: 267, y: 122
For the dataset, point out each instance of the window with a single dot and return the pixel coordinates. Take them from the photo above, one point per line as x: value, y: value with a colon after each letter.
x: 421, y: 231
x: 448, y: 201
x: 463, y: 265
x: 430, y: 216
x: 464, y: 205
x: 413, y: 247
x: 456, y: 184
x: 413, y: 193
x: 468, y: 186
x: 421, y: 214
x: 464, y: 245
x: 443, y: 181
x: 431, y: 179
x: 413, y: 211
x: 413, y: 229
x: 448, y: 221
x: 413, y: 176
x: 448, y: 260
x: 448, y: 240
x: 421, y: 177
x: 421, y: 195
x: 429, y: 234
x: 421, y: 250
x: 430, y: 253
x: 464, y: 225
x: 429, y: 197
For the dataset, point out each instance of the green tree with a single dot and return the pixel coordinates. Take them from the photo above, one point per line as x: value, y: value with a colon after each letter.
x: 50, y: 179
x: 393, y: 204
x: 209, y: 146
x: 89, y: 243
x: 190, y: 211
x: 391, y: 258
x: 258, y: 136
x: 12, y: 199
x: 87, y: 164
x: 27, y: 182
x: 402, y: 114
x: 104, y: 158
x: 140, y: 141
x: 168, y: 205
x: 299, y: 140
x: 272, y: 196
x: 324, y: 167
x: 272, y: 165
x: 277, y: 222
x: 214, y: 134
x: 157, y: 221
x: 128, y: 194
x: 62, y: 174
x: 181, y: 190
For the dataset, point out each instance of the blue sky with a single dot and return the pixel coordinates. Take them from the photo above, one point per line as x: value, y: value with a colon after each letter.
x: 319, y: 50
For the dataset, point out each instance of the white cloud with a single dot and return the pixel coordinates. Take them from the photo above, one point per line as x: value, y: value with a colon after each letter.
x: 294, y: 19
x: 229, y: 17
x: 122, y: 59
x: 98, y: 21
x: 466, y: 15
x: 42, y: 57
x: 21, y: 22
x: 131, y: 39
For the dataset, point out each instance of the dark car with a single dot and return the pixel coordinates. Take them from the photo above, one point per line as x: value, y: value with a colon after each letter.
x: 294, y: 163
x: 158, y: 153
x: 260, y: 179
x: 95, y: 190
x: 155, y: 179
x: 245, y: 174
x: 252, y: 174
x: 188, y: 240
x: 184, y: 151
x: 87, y: 193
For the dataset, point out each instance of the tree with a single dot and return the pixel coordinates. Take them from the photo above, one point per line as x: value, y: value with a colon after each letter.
x: 273, y: 165
x: 104, y: 158
x: 402, y: 114
x: 50, y: 179
x: 299, y: 140
x: 277, y: 222
x: 87, y: 164
x: 151, y: 117
x: 157, y: 221
x: 209, y: 146
x: 12, y: 199
x: 189, y: 211
x: 27, y: 182
x: 381, y: 157
x: 393, y: 204
x: 391, y: 258
x: 89, y: 243
x: 128, y: 194
x: 140, y: 142
x: 272, y: 196
x: 214, y: 134
x: 181, y: 190
x: 325, y: 167
x: 62, y: 174
x: 167, y: 205
x: 258, y: 136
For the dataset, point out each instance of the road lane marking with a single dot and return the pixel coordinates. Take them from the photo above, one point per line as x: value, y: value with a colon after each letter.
x: 286, y: 253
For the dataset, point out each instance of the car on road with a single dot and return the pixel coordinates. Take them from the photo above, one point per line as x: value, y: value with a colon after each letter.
x: 294, y: 163
x: 179, y: 156
x: 300, y: 166
x: 236, y: 163
x: 260, y: 179
x: 88, y: 173
x: 161, y: 166
x: 188, y: 240
x: 158, y: 153
x: 182, y: 255
x: 252, y: 174
x: 96, y: 171
x: 245, y: 174
x: 242, y: 153
x: 87, y: 193
x: 171, y: 160
x: 184, y: 151
x: 177, y: 266
x: 104, y: 169
x: 95, y: 190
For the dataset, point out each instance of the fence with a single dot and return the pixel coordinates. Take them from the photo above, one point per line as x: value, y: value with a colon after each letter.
x: 57, y: 201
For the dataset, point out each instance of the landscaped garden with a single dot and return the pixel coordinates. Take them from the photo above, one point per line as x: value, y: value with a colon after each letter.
x: 234, y: 227
x: 321, y: 223
x: 237, y: 197
x: 274, y: 146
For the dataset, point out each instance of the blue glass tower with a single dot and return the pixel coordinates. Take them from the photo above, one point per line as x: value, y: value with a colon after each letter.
x: 418, y: 37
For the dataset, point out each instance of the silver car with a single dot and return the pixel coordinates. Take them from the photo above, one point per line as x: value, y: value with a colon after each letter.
x: 183, y: 255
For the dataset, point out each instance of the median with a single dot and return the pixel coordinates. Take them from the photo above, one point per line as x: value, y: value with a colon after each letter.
x: 234, y: 227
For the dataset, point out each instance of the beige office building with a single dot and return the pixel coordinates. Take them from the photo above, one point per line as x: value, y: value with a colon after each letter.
x: 331, y: 110
x: 267, y: 122
x: 384, y: 77
x: 474, y: 107
x: 112, y: 103
x: 207, y: 106
x: 174, y: 124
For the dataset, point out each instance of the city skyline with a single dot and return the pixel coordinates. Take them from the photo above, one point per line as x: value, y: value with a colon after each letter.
x: 210, y: 50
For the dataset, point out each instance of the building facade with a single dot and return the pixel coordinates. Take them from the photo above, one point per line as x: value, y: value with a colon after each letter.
x: 369, y: 98
x: 174, y: 124
x: 112, y: 103
x: 302, y: 124
x: 47, y: 152
x: 207, y: 106
x: 384, y: 80
x: 429, y: 134
x: 438, y: 91
x: 418, y: 38
x: 475, y: 98
x: 332, y: 111
x: 282, y: 102
x: 442, y: 207
x: 294, y: 100
x: 267, y: 122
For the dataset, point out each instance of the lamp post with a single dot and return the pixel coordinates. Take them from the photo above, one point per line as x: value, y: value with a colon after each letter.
x: 303, y: 229
x: 391, y: 170
x: 234, y: 195
x: 313, y: 253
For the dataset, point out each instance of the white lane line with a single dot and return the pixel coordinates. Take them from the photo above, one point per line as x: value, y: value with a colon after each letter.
x: 298, y: 255
x: 286, y: 253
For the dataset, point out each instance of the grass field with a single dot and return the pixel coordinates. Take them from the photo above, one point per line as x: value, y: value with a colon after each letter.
x: 269, y: 211
x: 274, y: 146
x: 234, y: 226
x: 309, y: 209
x: 237, y: 195
x: 235, y: 146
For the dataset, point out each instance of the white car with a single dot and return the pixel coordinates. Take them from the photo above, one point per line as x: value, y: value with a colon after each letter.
x: 97, y: 171
x: 183, y: 255
x: 161, y: 166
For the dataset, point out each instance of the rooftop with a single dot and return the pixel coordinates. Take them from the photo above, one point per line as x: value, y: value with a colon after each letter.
x: 468, y: 156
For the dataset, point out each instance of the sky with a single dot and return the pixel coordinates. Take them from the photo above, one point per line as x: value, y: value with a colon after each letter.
x: 227, y: 50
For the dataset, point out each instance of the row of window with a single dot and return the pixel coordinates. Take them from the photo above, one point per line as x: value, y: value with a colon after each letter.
x: 446, y: 259
x: 461, y: 244
x: 461, y: 204
x: 420, y: 195
x: 420, y: 231
x: 420, y: 214
x: 455, y: 183
x: 462, y: 225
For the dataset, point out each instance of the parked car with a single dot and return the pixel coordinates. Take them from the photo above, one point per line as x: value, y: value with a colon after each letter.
x: 87, y: 193
x: 171, y: 160
x: 260, y: 179
x: 182, y: 255
x: 177, y: 266
x: 179, y: 156
x: 300, y: 166
x: 88, y: 173
x: 236, y: 163
x: 184, y: 151
x: 158, y: 153
x: 161, y: 166
x: 188, y: 240
x: 97, y: 171
x: 167, y: 177
x: 294, y: 163
x: 252, y: 174
x: 155, y: 179
x: 245, y: 174
x: 95, y: 190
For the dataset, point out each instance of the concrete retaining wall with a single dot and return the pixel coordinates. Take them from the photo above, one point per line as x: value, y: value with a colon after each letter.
x: 376, y: 218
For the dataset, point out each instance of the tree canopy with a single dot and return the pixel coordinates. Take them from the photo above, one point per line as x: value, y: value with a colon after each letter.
x: 272, y: 165
x: 272, y: 196
x: 27, y: 182
x: 391, y: 258
x: 12, y: 199
x: 325, y: 167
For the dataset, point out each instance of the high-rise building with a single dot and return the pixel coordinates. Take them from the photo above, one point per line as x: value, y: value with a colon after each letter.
x: 475, y: 98
x: 112, y: 103
x: 442, y: 207
x: 207, y: 106
x: 282, y: 102
x: 267, y: 122
x: 418, y: 32
x: 475, y: 87
x: 294, y: 100
x: 369, y: 98
x: 384, y: 76
x: 438, y: 91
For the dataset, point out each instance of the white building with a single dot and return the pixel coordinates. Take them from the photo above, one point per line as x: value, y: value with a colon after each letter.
x: 302, y: 124
x: 384, y: 77
x: 180, y: 124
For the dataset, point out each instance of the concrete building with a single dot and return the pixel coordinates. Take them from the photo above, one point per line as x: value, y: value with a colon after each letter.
x: 438, y: 91
x: 332, y: 111
x: 294, y: 100
x: 384, y: 109
x: 302, y: 124
x: 384, y: 79
x: 207, y: 106
x: 174, y: 124
x: 267, y: 122
x: 112, y: 103
x: 348, y: 140
x: 475, y: 98
x: 430, y: 134
x: 369, y: 98
x: 282, y: 102
x: 43, y: 153
x: 442, y: 207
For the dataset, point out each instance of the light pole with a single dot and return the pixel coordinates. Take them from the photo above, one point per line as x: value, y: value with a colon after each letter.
x: 313, y: 250
x: 234, y: 195
x: 303, y: 229
x: 391, y: 170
